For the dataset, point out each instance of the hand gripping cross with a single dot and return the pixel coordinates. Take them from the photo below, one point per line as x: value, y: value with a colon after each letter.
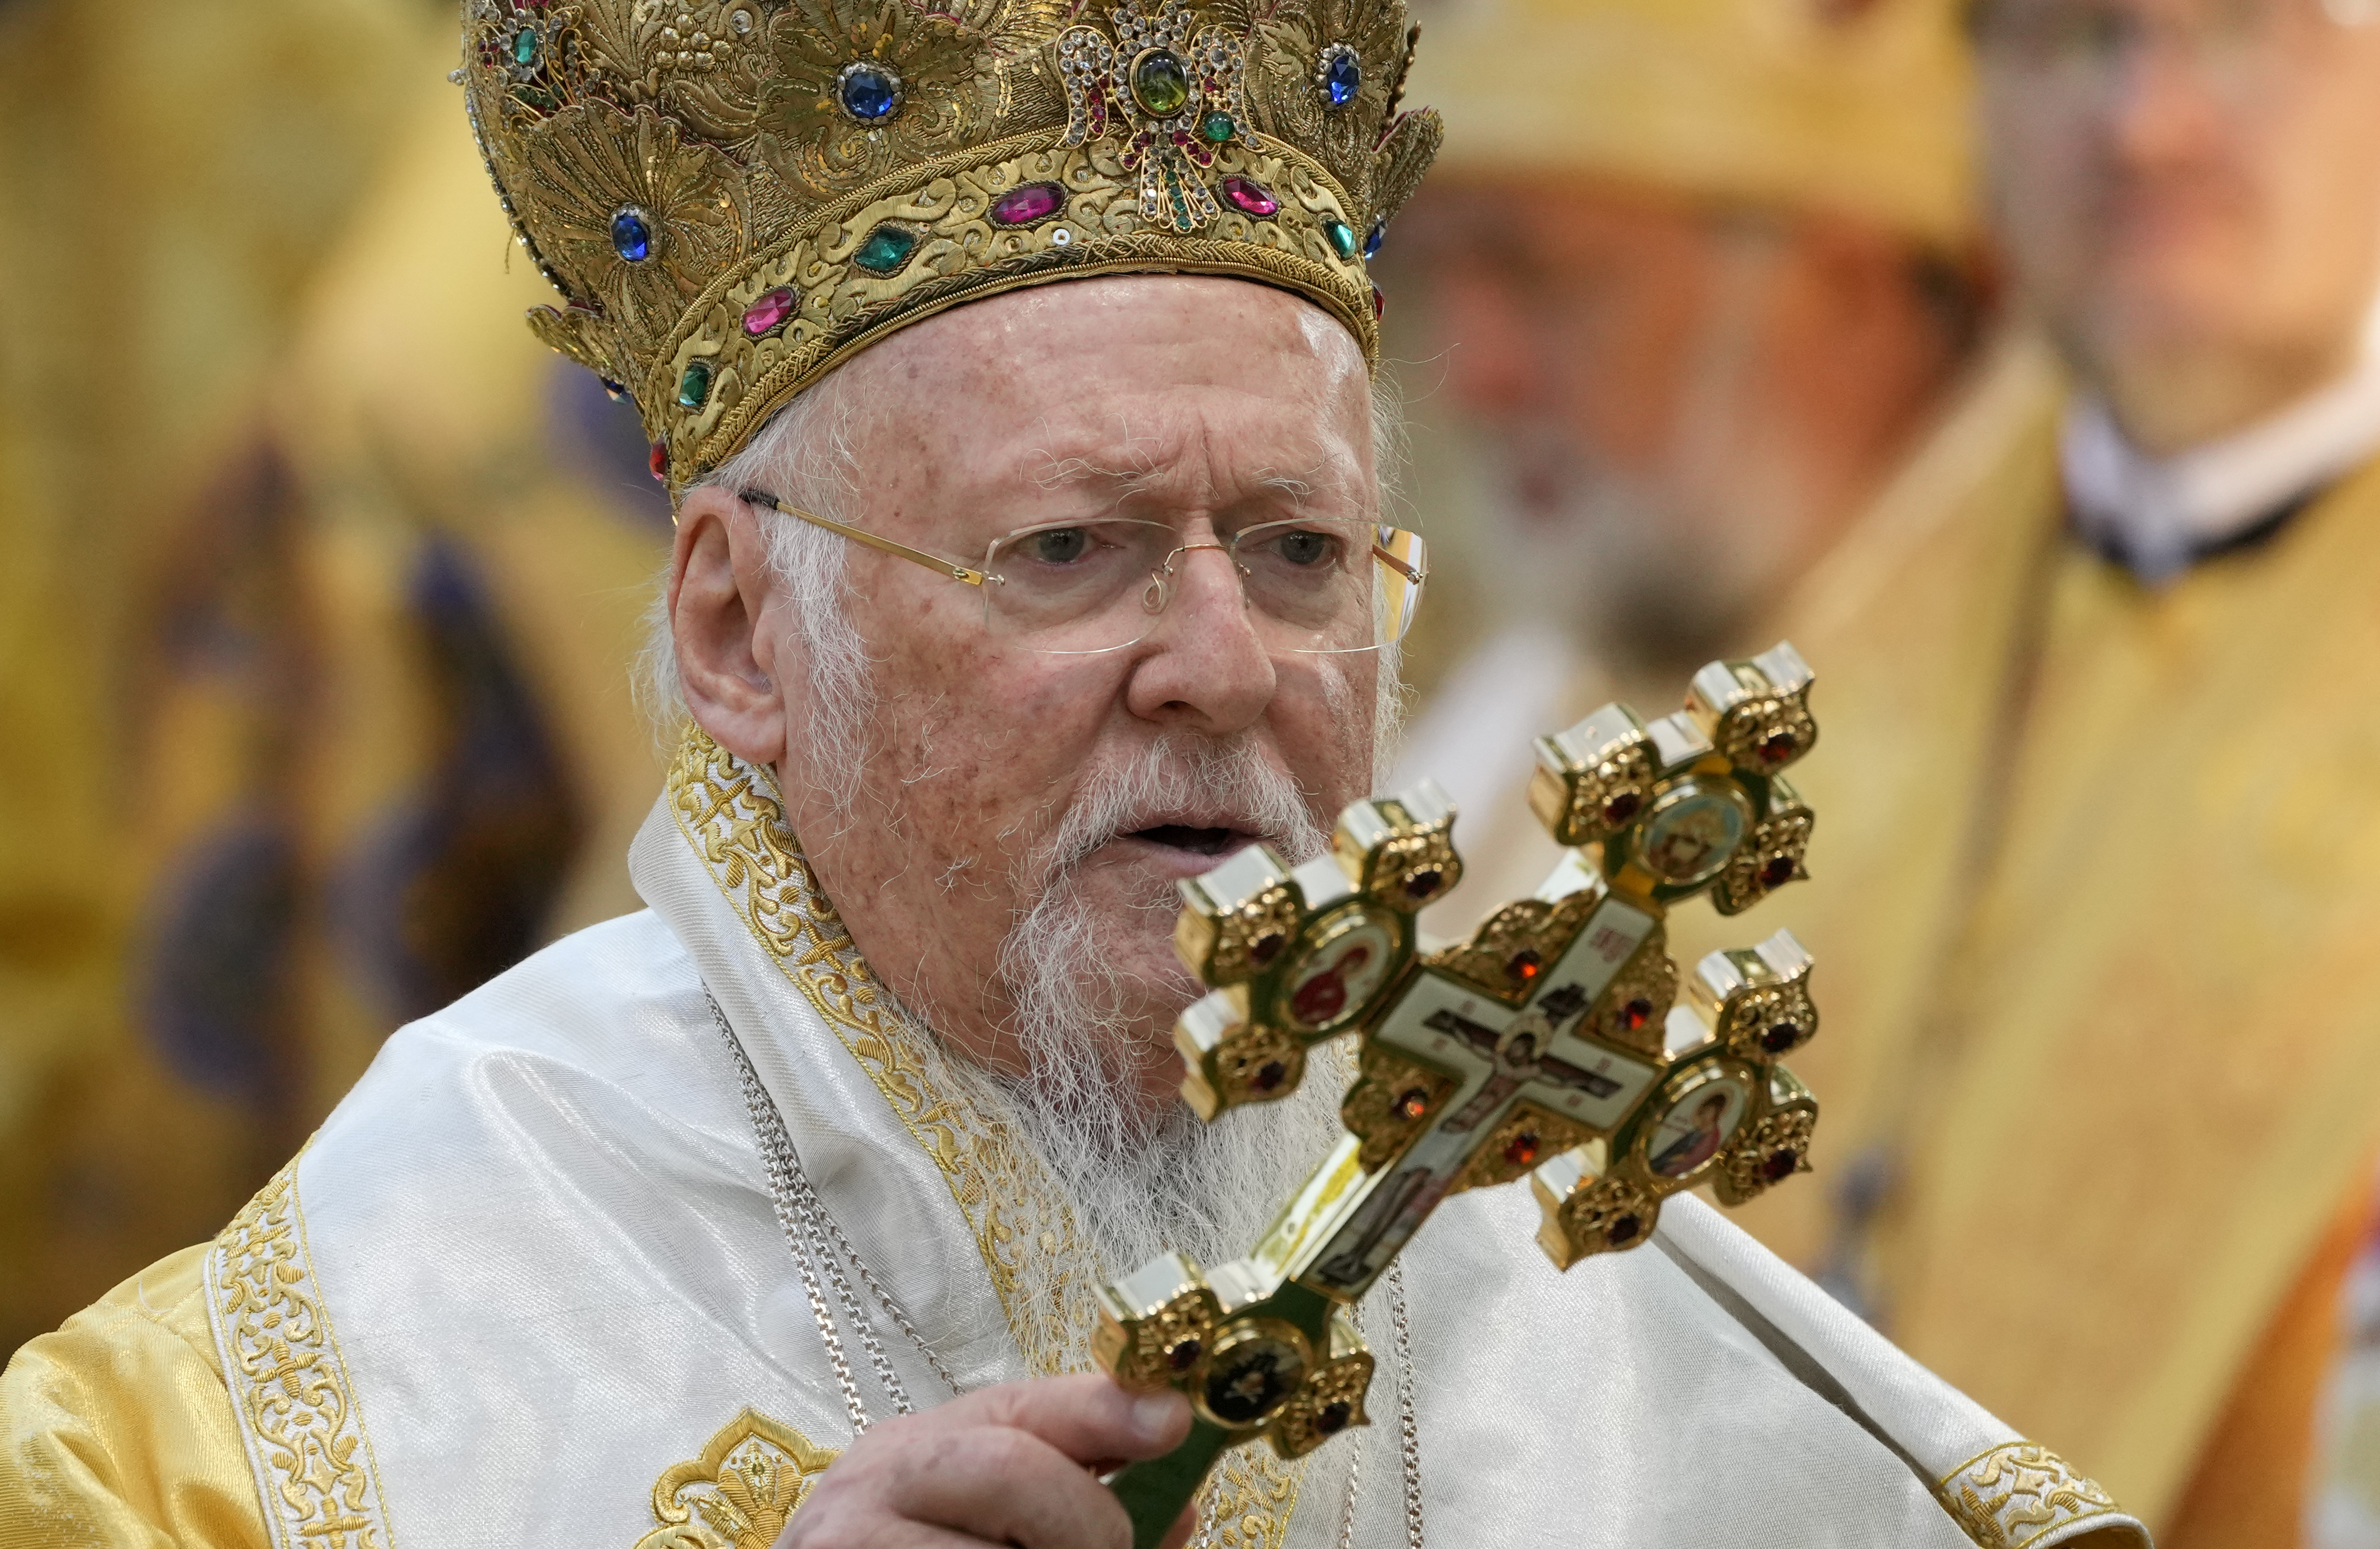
x: 1548, y: 1045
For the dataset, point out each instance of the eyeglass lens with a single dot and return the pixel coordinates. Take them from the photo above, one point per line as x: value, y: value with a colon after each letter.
x: 1310, y: 585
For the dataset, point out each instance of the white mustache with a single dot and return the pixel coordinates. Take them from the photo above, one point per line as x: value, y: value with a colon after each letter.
x: 1228, y: 783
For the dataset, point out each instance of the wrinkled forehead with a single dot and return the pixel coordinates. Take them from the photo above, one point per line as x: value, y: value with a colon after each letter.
x: 1123, y: 380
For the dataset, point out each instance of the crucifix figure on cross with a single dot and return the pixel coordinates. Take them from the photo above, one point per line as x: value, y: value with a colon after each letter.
x: 1552, y: 1046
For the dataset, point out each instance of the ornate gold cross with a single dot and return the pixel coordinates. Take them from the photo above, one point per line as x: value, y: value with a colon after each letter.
x: 1550, y: 1045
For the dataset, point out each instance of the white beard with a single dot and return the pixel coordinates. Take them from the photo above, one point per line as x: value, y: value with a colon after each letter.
x: 1138, y: 1186
x: 1209, y: 1191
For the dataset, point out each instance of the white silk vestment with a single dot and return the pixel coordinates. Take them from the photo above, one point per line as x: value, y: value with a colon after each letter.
x: 527, y: 1286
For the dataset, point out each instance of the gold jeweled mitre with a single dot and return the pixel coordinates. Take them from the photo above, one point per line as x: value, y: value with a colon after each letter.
x: 733, y: 196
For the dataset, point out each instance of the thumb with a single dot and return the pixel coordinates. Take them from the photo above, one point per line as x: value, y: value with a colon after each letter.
x: 1087, y: 1417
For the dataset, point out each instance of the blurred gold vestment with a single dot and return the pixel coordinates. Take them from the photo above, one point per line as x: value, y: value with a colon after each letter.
x: 347, y: 728
x: 2097, y: 902
x: 120, y: 1423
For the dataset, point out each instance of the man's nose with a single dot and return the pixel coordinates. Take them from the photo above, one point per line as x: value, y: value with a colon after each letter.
x: 2166, y: 102
x: 1204, y: 666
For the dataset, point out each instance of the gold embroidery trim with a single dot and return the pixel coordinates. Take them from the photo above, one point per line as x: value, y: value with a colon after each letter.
x: 739, y: 1491
x: 2018, y: 1493
x: 315, y: 1474
x: 731, y: 815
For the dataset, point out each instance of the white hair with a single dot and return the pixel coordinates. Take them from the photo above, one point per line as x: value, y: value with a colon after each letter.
x: 804, y: 456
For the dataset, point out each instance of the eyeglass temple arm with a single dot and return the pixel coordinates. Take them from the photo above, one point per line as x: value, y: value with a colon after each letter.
x: 950, y: 567
x: 1391, y: 561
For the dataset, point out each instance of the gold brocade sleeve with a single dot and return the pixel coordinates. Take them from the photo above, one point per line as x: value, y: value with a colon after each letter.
x: 118, y: 1430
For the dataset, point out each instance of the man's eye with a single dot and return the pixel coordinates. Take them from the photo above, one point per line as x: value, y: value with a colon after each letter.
x: 1059, y: 546
x: 1303, y: 548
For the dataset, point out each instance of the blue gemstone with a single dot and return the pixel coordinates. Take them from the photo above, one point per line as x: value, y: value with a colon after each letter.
x: 1373, y: 237
x: 631, y: 238
x: 1343, y: 76
x: 869, y: 93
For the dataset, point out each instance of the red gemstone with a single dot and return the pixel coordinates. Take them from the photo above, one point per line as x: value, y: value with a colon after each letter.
x: 1184, y: 1355
x: 1622, y: 1231
x: 1379, y: 303
x: 1524, y: 966
x: 1265, y: 947
x: 1781, y: 1037
x: 1027, y: 203
x: 658, y: 460
x: 1424, y: 883
x: 1778, y: 873
x: 1522, y: 1152
x: 1620, y: 808
x: 1182, y: 137
x: 1269, y: 1074
x: 1250, y: 197
x: 1412, y: 1103
x: 1636, y: 1013
x: 1779, y: 746
x: 1333, y: 1418
x: 1780, y: 1164
x: 768, y: 311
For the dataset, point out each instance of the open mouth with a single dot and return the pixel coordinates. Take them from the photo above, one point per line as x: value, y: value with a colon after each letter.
x: 1197, y: 841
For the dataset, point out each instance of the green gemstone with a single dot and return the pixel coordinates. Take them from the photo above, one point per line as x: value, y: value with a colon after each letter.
x: 1216, y: 126
x: 694, y: 387
x: 1160, y: 83
x: 525, y: 47
x: 1342, y: 237
x: 886, y: 248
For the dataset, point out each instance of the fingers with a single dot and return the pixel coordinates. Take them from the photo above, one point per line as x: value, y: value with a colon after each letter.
x: 1088, y: 1418
x: 1003, y: 1486
x: 913, y: 1535
x: 1009, y: 1465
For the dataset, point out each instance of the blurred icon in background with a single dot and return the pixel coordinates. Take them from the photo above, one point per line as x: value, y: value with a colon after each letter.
x: 316, y: 622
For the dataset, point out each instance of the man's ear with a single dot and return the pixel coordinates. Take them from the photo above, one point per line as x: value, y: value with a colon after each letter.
x: 728, y: 659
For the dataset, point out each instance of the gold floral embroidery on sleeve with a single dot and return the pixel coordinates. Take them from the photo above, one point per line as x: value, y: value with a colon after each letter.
x: 739, y: 1491
x: 305, y: 1439
x: 2019, y: 1494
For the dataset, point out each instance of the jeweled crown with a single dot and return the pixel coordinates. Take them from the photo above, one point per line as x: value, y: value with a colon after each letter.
x: 733, y: 196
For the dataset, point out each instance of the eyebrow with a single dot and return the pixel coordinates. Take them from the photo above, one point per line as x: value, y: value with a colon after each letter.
x: 1080, y: 472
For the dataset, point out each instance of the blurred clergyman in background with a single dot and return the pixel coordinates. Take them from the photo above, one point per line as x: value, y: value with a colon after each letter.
x: 2096, y: 785
x: 1695, y: 275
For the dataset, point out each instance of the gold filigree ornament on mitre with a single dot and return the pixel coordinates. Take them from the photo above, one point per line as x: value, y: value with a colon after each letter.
x: 733, y: 196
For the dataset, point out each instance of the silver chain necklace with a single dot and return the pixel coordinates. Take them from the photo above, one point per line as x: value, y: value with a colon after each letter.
x: 820, y: 1249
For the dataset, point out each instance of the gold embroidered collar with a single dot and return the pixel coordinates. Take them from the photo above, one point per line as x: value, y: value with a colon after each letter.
x: 733, y: 816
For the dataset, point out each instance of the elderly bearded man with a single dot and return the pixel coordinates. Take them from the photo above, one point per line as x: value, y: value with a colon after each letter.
x: 1018, y: 612
x: 1698, y: 313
